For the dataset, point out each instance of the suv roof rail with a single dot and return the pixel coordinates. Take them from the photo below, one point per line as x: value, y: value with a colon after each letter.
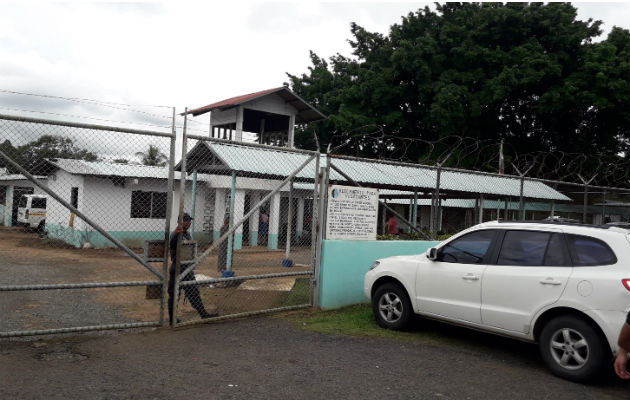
x: 556, y: 222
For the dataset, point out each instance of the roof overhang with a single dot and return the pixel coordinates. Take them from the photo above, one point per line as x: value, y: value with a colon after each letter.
x: 305, y: 112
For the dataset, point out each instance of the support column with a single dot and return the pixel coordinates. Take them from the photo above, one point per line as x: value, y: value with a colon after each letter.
x: 254, y: 219
x: 415, y: 208
x: 521, y: 203
x: 219, y: 213
x: 299, y: 228
x: 291, y: 130
x: 274, y: 221
x: 480, y: 208
x: 440, y: 214
x: 210, y: 127
x: 239, y: 208
x: 228, y: 264
x: 238, y: 136
x: 507, y: 213
x: 383, y: 218
x: 261, y: 132
x: 287, y: 261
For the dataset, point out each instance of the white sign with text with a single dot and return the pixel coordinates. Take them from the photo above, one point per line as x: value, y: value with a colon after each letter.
x: 352, y: 213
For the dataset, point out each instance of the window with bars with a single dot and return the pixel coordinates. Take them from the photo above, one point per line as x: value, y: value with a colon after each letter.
x: 148, y: 204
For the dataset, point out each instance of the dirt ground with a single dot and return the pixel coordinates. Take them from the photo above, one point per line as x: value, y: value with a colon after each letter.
x: 25, y: 258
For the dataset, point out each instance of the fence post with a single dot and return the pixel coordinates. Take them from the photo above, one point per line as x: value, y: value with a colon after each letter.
x: 521, y: 202
x: 314, y: 242
x: 435, y: 203
x: 167, y: 219
x: 585, y: 204
x: 586, y: 183
x: 321, y: 221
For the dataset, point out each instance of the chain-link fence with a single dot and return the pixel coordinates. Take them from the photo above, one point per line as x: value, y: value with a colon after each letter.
x: 88, y: 215
x: 91, y: 217
x: 432, y: 201
x: 77, y: 204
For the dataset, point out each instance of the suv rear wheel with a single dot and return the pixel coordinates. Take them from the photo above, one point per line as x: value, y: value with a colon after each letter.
x: 572, y: 349
x: 391, y: 306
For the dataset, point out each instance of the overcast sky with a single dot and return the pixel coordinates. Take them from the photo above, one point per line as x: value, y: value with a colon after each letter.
x: 179, y: 53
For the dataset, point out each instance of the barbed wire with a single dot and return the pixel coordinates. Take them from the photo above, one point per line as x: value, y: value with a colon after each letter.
x: 601, y: 168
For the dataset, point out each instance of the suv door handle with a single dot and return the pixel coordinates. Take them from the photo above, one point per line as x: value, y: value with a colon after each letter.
x: 470, y: 277
x: 550, y: 281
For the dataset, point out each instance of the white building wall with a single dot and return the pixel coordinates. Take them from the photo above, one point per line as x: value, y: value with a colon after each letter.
x: 62, y: 184
x: 110, y: 205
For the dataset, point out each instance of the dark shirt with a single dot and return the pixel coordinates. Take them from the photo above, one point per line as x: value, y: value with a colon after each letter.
x: 173, y: 243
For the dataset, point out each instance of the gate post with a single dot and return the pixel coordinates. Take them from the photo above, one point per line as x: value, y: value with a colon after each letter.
x: 167, y: 220
x: 180, y: 220
x: 321, y: 222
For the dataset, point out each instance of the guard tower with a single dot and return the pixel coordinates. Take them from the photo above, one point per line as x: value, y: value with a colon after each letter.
x: 270, y: 115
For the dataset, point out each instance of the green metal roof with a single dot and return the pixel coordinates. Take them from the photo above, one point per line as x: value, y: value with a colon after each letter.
x: 514, y: 205
x: 266, y: 161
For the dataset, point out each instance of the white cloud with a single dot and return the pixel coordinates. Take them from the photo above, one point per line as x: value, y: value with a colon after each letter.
x: 181, y: 53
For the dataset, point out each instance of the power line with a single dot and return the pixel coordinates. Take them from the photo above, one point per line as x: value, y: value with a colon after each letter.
x: 79, y: 99
x: 84, y: 117
x: 112, y: 105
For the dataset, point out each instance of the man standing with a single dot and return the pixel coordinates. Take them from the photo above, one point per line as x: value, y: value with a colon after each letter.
x: 621, y: 362
x: 192, y: 292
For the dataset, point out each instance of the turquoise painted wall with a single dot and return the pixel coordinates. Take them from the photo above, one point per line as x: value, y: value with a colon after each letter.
x: 130, y: 238
x: 344, y: 264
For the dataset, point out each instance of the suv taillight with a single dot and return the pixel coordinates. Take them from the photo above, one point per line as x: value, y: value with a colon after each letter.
x: 626, y: 283
x: 26, y: 214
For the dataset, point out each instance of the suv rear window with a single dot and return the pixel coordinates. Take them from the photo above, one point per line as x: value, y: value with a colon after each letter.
x: 532, y: 248
x: 38, y: 202
x: 587, y: 251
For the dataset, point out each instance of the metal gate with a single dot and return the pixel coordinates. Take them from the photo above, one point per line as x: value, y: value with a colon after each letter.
x: 256, y: 253
x: 86, y: 270
x: 114, y: 198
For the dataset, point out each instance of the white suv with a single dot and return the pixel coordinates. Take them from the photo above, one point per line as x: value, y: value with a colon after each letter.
x: 565, y: 286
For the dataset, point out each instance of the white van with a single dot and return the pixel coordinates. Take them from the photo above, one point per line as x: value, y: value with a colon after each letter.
x: 32, y: 211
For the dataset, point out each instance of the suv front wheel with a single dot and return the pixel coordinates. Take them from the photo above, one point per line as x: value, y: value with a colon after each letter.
x: 391, y: 306
x: 572, y: 349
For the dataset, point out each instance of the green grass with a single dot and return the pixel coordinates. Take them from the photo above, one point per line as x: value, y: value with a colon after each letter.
x: 358, y: 321
x: 299, y: 293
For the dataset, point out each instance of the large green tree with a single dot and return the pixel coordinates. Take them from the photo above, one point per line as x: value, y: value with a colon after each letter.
x: 32, y: 156
x: 529, y: 74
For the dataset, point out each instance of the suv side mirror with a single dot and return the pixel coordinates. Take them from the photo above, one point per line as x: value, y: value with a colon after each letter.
x: 432, y: 254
